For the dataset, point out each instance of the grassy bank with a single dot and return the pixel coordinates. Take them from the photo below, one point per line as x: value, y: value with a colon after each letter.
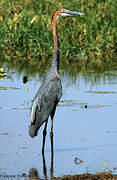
x: 25, y: 31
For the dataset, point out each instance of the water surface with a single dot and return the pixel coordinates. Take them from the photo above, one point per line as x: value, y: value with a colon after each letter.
x: 85, y: 126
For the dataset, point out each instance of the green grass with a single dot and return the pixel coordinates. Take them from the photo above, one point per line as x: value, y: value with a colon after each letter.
x: 25, y: 30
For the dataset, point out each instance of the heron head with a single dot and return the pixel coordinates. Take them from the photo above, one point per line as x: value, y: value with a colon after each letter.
x: 65, y: 12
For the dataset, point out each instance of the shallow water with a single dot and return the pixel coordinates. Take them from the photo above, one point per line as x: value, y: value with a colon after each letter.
x: 84, y: 138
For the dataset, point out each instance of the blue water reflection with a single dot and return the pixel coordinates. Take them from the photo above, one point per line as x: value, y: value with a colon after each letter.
x: 87, y: 133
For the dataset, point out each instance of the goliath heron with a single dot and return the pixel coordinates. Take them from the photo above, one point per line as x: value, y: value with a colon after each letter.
x: 50, y: 92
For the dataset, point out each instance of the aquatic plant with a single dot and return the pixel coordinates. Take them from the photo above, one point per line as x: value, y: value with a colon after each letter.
x: 25, y: 30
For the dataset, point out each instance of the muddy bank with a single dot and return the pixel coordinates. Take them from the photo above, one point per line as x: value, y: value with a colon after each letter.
x: 100, y: 176
x: 33, y: 175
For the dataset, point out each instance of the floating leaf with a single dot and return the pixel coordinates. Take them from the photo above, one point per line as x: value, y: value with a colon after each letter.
x: 2, y: 169
x: 95, y: 106
x: 26, y: 89
x: 70, y: 103
x: 1, y: 70
x: 3, y: 88
x: 13, y: 88
x: 24, y: 147
x: 100, y: 168
x: 74, y: 140
x: 20, y: 108
x: 101, y: 92
x: 3, y: 74
x: 62, y: 105
x: 6, y: 88
x: 2, y: 78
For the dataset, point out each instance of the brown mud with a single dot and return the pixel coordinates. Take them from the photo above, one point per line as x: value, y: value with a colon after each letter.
x: 98, y: 176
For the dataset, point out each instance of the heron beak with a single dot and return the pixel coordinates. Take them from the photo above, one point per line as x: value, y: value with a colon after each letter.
x: 70, y: 13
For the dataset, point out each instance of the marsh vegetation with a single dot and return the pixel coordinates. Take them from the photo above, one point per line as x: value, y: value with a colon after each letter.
x: 25, y: 31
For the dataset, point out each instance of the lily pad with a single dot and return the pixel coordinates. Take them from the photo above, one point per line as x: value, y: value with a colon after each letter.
x: 101, y: 92
x: 20, y: 108
x: 3, y: 88
x: 62, y: 105
x: 26, y: 89
x: 95, y: 106
x: 2, y: 169
x: 63, y: 101
x: 6, y: 88
x: 1, y: 70
x: 70, y: 103
x: 3, y: 74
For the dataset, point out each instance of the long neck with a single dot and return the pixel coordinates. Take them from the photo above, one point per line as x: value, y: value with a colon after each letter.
x: 56, y: 55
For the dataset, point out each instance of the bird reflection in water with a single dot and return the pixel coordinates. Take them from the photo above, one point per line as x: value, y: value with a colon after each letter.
x: 33, y: 173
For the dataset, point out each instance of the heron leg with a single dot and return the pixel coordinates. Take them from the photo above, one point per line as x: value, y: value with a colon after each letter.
x: 51, y: 129
x: 44, y: 167
x: 52, y: 117
x: 52, y: 151
x: 44, y: 136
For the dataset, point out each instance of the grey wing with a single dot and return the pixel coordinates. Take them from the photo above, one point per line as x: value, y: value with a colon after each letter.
x: 52, y: 96
x: 36, y: 114
x: 33, y: 109
x: 47, y: 96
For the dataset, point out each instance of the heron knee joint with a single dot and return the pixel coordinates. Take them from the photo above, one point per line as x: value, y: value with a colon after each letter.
x: 51, y: 134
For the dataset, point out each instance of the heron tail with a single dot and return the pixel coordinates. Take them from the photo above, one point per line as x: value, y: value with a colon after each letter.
x: 32, y: 131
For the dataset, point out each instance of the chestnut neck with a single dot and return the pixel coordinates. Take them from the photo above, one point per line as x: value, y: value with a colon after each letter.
x: 56, y: 55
